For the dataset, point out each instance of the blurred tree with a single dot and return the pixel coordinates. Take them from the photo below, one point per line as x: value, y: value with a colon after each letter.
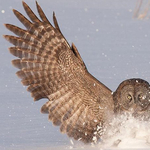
x: 141, y: 9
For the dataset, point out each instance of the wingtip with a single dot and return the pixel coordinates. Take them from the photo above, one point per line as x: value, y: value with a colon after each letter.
x: 5, y: 37
x: 6, y: 25
x: 54, y: 15
x: 10, y: 49
x: 37, y: 5
x: 23, y: 3
x: 14, y: 11
x: 36, y: 2
x: 44, y: 109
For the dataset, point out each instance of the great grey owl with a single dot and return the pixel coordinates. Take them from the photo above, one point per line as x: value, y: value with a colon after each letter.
x: 52, y: 69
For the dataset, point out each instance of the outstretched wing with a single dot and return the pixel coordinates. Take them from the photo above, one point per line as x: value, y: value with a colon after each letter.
x: 52, y: 69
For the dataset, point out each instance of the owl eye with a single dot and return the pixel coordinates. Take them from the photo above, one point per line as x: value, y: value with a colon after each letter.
x: 140, y: 97
x: 143, y: 100
x: 129, y: 97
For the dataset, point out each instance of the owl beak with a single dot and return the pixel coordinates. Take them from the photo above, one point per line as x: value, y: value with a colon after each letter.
x: 138, y: 110
x: 132, y: 108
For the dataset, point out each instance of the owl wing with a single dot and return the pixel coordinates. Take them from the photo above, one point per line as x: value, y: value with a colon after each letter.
x: 51, y: 69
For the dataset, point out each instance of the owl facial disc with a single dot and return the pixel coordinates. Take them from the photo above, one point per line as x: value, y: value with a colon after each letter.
x: 133, y: 96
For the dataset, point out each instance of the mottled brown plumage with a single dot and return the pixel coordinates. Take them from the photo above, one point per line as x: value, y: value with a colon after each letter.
x: 51, y: 68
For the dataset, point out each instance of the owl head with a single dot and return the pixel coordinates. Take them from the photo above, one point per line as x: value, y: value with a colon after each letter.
x: 132, y: 95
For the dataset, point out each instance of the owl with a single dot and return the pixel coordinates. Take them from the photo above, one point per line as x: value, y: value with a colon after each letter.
x: 76, y: 101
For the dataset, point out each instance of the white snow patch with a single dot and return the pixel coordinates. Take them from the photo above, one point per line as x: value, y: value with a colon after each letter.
x: 126, y: 131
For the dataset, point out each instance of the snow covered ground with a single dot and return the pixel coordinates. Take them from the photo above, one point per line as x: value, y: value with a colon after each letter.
x: 114, y: 47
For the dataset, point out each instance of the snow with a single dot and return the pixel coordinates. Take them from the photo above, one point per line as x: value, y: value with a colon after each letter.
x: 113, y: 45
x: 127, y: 132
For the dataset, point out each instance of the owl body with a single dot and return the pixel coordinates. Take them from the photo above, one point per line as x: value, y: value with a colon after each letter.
x: 77, y: 102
